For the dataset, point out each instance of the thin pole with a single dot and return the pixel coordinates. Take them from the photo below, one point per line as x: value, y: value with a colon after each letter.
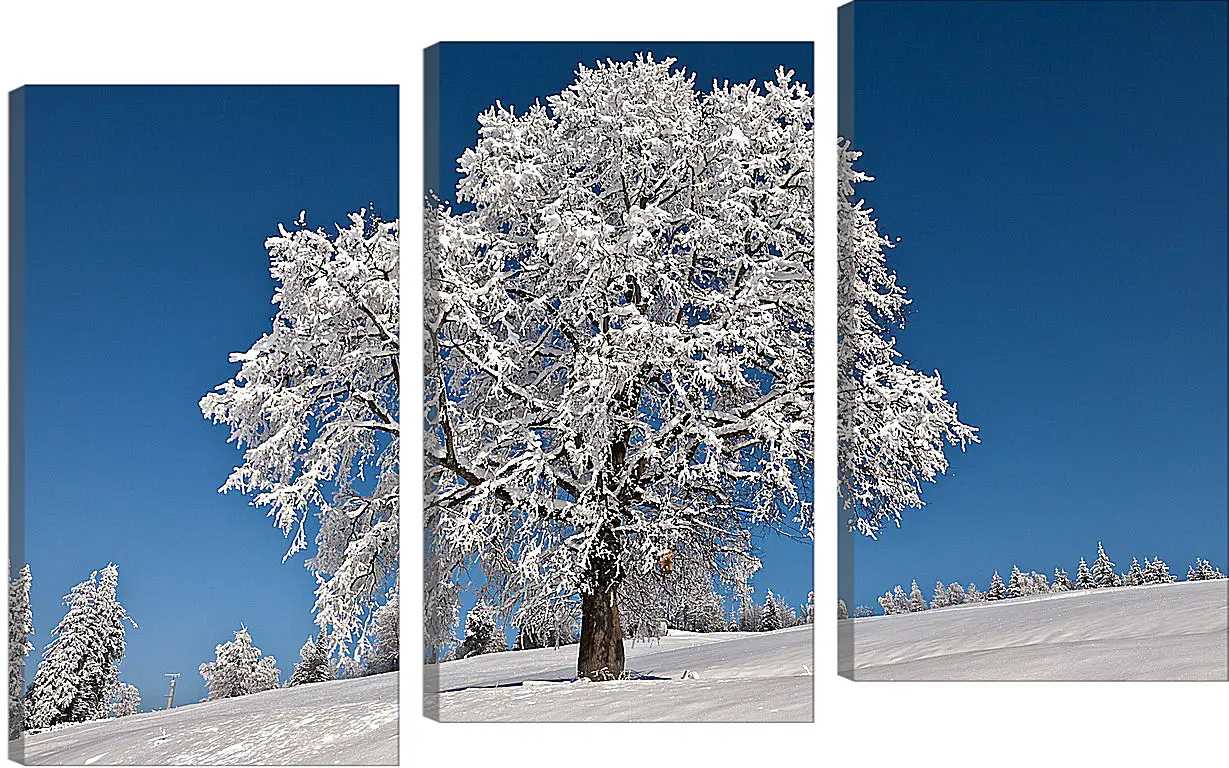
x: 170, y: 697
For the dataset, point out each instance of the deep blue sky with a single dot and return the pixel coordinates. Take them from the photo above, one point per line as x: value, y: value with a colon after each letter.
x: 1057, y: 172
x: 474, y: 75
x: 147, y: 209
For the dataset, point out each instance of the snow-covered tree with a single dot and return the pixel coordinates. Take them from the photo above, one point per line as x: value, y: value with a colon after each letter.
x: 916, y: 601
x: 841, y: 611
x: 547, y: 624
x: 21, y: 626
x: 752, y: 618
x: 1157, y: 572
x: 940, y: 598
x: 481, y: 634
x: 685, y: 597
x: 808, y: 610
x: 619, y: 336
x: 997, y: 591
x: 80, y: 666
x: 1015, y: 586
x: 887, y: 603
x: 1203, y: 570
x: 1210, y: 571
x: 956, y: 594
x: 771, y: 618
x: 973, y: 594
x: 1135, y: 576
x: 1038, y: 584
x: 441, y: 597
x: 900, y: 600
x: 125, y: 700
x: 314, y: 665
x: 1103, y: 570
x: 239, y: 669
x: 892, y: 421
x: 1062, y: 582
x: 386, y: 654
x: 314, y: 407
x: 862, y: 611
x: 1084, y: 578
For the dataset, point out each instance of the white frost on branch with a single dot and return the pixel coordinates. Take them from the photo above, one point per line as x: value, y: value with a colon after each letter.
x: 619, y: 333
x: 892, y: 421
x: 314, y: 408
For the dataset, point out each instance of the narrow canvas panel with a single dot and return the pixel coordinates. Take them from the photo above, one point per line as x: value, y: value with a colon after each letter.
x: 1032, y: 253
x: 205, y: 320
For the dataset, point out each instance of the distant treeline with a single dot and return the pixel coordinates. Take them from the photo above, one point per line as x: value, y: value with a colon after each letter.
x: 1020, y: 584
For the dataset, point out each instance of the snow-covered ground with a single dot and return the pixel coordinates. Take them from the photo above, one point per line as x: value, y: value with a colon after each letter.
x: 1158, y: 632
x: 345, y: 722
x: 738, y: 677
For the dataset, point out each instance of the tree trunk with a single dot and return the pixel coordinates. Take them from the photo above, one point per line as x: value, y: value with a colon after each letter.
x: 601, y: 635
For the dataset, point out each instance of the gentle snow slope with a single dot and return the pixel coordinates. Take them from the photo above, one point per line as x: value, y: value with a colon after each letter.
x: 346, y: 722
x: 740, y: 676
x: 1160, y: 632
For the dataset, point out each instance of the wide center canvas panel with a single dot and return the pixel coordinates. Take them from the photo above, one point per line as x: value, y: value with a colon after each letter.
x: 618, y: 382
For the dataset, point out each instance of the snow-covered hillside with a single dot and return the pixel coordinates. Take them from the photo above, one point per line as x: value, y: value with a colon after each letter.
x: 1159, y: 632
x: 345, y: 722
x: 738, y: 677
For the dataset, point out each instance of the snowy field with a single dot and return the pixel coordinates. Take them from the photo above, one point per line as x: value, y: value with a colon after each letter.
x: 1158, y: 632
x: 759, y: 676
x: 346, y: 722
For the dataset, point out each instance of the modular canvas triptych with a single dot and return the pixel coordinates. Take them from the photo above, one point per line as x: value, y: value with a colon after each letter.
x: 621, y: 327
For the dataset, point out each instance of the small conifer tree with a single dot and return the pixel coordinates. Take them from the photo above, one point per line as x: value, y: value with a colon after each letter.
x: 997, y: 591
x: 1103, y: 570
x: 1083, y: 577
x: 314, y: 665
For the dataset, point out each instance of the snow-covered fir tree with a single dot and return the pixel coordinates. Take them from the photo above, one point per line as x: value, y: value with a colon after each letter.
x: 481, y: 634
x: 841, y: 611
x: 956, y: 594
x: 916, y: 601
x: 314, y: 407
x: 592, y: 398
x: 1015, y: 586
x: 771, y: 618
x: 1038, y: 584
x: 80, y: 666
x: 862, y: 611
x: 752, y: 618
x: 786, y: 613
x: 1062, y: 583
x: 1210, y: 571
x: 21, y: 626
x: 125, y: 700
x: 996, y: 591
x: 887, y: 603
x: 1135, y: 576
x: 892, y: 421
x: 808, y: 611
x: 1157, y: 572
x: 973, y: 594
x: 239, y: 669
x: 1103, y: 570
x: 940, y: 598
x: 314, y: 665
x: 1203, y: 570
x: 1084, y: 578
x: 385, y: 656
x: 900, y: 600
